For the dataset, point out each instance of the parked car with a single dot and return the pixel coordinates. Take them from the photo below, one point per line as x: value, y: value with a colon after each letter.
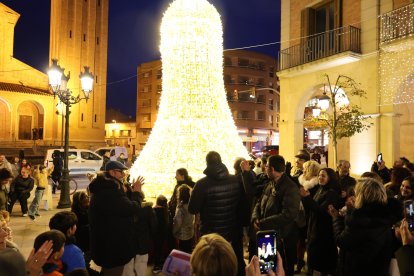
x: 114, y: 152
x: 270, y: 150
x: 81, y: 161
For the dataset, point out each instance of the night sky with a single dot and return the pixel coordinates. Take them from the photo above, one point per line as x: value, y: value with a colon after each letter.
x: 134, y: 36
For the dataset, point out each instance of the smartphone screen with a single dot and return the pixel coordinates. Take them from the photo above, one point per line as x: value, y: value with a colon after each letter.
x: 379, y: 158
x: 266, y: 250
x: 409, y: 213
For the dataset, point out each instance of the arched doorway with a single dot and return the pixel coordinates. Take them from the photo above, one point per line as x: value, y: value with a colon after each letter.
x: 4, y: 120
x: 30, y: 120
x: 317, y: 130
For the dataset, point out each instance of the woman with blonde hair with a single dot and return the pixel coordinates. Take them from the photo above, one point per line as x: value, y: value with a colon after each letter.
x: 213, y: 256
x: 309, y: 178
x: 364, y: 235
x: 309, y: 181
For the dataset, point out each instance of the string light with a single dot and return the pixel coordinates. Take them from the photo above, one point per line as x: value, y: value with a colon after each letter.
x: 194, y: 116
x: 396, y: 59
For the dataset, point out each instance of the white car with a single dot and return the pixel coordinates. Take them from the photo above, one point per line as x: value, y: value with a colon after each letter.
x: 81, y: 161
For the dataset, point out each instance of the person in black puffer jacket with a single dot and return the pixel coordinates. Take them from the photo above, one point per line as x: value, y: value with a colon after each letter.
x: 364, y: 236
x: 217, y: 198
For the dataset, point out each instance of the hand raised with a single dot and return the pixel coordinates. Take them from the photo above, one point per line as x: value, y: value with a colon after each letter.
x: 333, y: 212
x: 137, y: 186
x: 245, y: 166
x: 36, y: 260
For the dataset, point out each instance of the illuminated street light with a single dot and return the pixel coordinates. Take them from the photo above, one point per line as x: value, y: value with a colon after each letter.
x: 324, y: 101
x: 58, y: 84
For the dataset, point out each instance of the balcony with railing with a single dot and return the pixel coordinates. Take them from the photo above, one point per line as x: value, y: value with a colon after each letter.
x: 320, y: 46
x: 397, y: 24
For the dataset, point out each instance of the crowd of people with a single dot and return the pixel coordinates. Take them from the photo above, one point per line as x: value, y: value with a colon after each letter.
x: 325, y: 221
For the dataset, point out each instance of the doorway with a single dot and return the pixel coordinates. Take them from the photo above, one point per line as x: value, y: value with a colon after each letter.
x: 25, y: 127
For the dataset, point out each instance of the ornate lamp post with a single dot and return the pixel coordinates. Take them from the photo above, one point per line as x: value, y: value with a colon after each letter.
x: 58, y: 83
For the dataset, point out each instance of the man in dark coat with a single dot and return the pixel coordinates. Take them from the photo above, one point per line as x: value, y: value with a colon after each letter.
x: 111, y: 220
x: 300, y: 159
x: 278, y: 209
x: 57, y: 169
x: 106, y: 158
x: 217, y: 198
x: 346, y: 182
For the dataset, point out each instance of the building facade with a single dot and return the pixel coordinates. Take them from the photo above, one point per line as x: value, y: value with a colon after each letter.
x: 78, y: 38
x: 28, y: 109
x: 120, y: 130
x: 252, y: 92
x: 351, y: 38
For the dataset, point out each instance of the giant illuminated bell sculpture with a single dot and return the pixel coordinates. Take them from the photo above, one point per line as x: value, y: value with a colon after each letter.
x: 194, y: 117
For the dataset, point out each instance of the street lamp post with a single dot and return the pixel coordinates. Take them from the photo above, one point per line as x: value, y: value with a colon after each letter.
x: 60, y: 111
x: 58, y: 82
x: 325, y: 101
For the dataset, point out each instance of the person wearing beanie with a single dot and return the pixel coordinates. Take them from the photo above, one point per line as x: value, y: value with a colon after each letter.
x: 278, y: 209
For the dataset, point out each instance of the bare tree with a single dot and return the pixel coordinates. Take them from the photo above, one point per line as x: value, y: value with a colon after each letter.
x: 345, y: 120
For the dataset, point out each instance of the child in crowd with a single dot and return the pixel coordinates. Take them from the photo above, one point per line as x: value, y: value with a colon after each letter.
x: 65, y: 222
x: 53, y: 265
x: 183, y: 222
x: 160, y: 235
x: 25, y: 164
x: 40, y: 175
x: 5, y: 178
x: 5, y: 226
x: 20, y: 190
x: 80, y: 206
x: 16, y: 166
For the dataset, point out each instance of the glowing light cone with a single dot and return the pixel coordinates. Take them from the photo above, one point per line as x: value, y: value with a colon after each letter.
x: 194, y: 116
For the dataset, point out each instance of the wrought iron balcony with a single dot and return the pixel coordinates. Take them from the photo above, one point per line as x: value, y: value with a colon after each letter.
x: 398, y: 23
x: 320, y: 46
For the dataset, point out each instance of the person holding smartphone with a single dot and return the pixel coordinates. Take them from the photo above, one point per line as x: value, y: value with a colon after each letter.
x: 405, y: 254
x: 253, y: 268
x: 379, y: 168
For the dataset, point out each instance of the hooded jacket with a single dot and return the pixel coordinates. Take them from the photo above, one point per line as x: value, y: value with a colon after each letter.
x: 216, y: 197
x: 111, y: 222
